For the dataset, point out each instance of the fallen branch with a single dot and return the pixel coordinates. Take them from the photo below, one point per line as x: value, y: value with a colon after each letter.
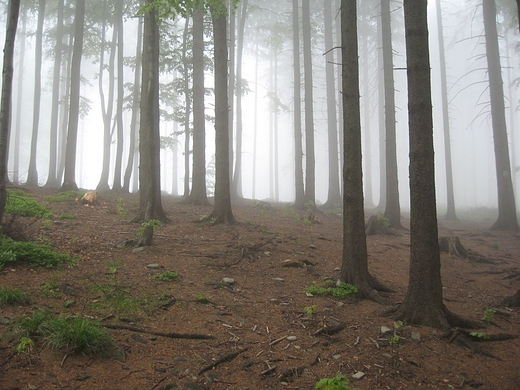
x: 224, y: 359
x: 195, y: 336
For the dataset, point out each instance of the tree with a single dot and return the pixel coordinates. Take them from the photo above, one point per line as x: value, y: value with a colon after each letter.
x: 32, y: 175
x: 507, y: 219
x: 69, y: 182
x: 354, y: 268
x: 5, y: 100
x: 299, y: 200
x: 423, y: 303
x: 334, y: 196
x: 450, y: 212
x: 118, y: 26
x: 198, y: 194
x: 52, y: 179
x: 393, y: 207
x: 310, y: 164
x: 222, y: 212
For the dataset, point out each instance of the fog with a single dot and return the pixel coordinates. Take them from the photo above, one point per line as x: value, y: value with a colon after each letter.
x: 267, y: 69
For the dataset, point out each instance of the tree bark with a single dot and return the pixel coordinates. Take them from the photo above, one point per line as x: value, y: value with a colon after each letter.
x: 393, y: 207
x: 69, y: 182
x: 222, y: 212
x: 118, y: 26
x: 32, y: 174
x: 507, y: 219
x: 5, y: 100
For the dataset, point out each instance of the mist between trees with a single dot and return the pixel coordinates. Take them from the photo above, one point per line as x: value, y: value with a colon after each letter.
x: 285, y: 121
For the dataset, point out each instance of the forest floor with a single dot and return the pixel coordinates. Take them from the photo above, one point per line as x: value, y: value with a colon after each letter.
x: 267, y: 332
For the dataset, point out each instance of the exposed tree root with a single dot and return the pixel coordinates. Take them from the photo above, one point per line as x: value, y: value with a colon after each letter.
x: 224, y: 359
x: 195, y: 336
x: 460, y: 339
x: 453, y: 246
x: 482, y: 336
x: 513, y: 301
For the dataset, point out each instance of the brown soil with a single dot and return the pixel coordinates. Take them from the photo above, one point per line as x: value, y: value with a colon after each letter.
x: 251, y: 318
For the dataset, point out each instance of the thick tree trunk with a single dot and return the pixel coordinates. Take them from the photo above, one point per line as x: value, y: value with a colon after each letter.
x: 299, y: 199
x: 5, y: 100
x: 32, y: 175
x: 507, y: 219
x: 69, y: 182
x: 222, y: 212
x: 187, y: 106
x: 393, y: 207
x: 118, y: 26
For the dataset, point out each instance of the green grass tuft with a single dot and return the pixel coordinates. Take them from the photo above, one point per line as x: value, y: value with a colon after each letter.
x: 21, y: 204
x: 65, y: 196
x: 13, y: 296
x: 340, y: 291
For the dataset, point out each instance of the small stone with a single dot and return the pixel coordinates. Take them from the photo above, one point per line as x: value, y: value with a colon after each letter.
x: 137, y: 337
x: 327, y: 311
x: 228, y: 281
x: 385, y: 330
x: 416, y: 336
x: 309, y: 294
x: 336, y: 357
x: 312, y: 246
x: 358, y: 375
x: 292, y: 338
x: 278, y: 280
x: 340, y: 304
x: 179, y: 359
x: 154, y: 266
x: 83, y: 377
x: 33, y: 387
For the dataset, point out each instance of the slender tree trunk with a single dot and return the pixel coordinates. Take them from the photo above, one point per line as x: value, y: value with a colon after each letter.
x: 381, y: 117
x: 187, y: 107
x: 393, y: 207
x: 19, y: 103
x: 507, y: 219
x: 32, y: 175
x: 69, y: 182
x: 310, y: 168
x: 231, y: 85
x: 367, y: 155
x: 52, y: 179
x: 255, y: 125
x: 198, y: 193
x: 299, y: 199
x: 132, y: 156
x: 237, y: 177
x: 354, y: 269
x: 450, y: 197
x: 222, y: 212
x: 118, y: 26
x: 334, y: 196
x: 64, y: 120
x: 5, y: 100
x: 106, y: 109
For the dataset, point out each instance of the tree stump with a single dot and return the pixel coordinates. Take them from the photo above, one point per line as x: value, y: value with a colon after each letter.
x: 453, y: 246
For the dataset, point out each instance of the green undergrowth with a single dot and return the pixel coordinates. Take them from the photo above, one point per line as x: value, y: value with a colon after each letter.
x: 65, y: 196
x: 66, y: 333
x: 20, y: 203
x: 13, y: 296
x: 42, y: 255
x: 339, y: 382
x: 342, y: 290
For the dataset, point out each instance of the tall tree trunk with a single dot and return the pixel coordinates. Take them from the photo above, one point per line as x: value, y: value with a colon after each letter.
x: 19, y: 102
x: 198, y: 195
x: 299, y: 198
x: 132, y: 156
x: 64, y: 119
x: 310, y: 168
x: 367, y: 155
x: 187, y: 107
x: 231, y: 84
x: 354, y: 269
x: 5, y: 100
x: 393, y: 207
x: 106, y: 109
x: 255, y: 125
x: 69, y: 182
x: 32, y: 175
x: 450, y: 197
x: 381, y: 117
x: 506, y: 198
x: 118, y: 26
x: 222, y: 212
x: 148, y: 124
x: 237, y: 177
x: 423, y: 304
x: 52, y: 179
x: 334, y: 196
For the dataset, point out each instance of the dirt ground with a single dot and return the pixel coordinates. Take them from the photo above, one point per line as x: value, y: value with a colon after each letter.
x: 267, y: 333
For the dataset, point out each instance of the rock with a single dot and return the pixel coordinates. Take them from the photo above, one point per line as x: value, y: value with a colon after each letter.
x: 336, y: 357
x: 228, y: 281
x: 358, y: 375
x: 83, y: 377
x: 278, y: 280
x: 416, y: 336
x: 292, y: 264
x: 138, y: 249
x: 33, y: 387
x: 385, y: 330
x: 154, y: 266
x: 137, y: 337
x: 292, y: 338
x: 312, y: 246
